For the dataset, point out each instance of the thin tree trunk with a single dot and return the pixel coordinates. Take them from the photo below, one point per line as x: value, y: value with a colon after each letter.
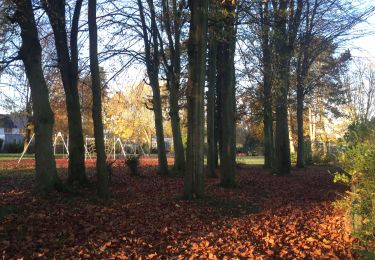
x: 300, y: 127
x: 194, y: 177
x: 291, y: 128
x: 218, y: 106
x: 31, y: 53
x: 69, y: 74
x: 152, y: 64
x: 179, y: 153
x: 267, y: 87
x: 211, y: 93
x: 101, y: 167
x: 28, y: 126
x: 174, y: 73
x: 158, y: 115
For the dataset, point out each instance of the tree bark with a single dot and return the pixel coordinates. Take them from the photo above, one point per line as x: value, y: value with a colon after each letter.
x: 267, y: 86
x: 158, y: 115
x: 226, y: 83
x: 68, y: 67
x: 282, y: 144
x: 287, y: 20
x: 31, y: 53
x: 300, y: 127
x: 218, y: 107
x: 101, y: 166
x: 211, y: 94
x: 194, y: 177
x: 152, y: 65
x: 174, y: 73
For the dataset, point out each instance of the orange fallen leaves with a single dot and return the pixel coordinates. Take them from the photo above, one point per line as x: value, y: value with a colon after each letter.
x: 145, y: 218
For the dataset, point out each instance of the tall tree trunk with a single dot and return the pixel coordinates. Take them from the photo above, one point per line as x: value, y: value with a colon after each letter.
x: 29, y: 123
x: 211, y: 140
x: 282, y: 144
x: 69, y: 74
x: 152, y: 64
x: 312, y: 129
x: 226, y: 82
x: 174, y: 73
x: 300, y: 128
x: 267, y: 86
x: 211, y: 94
x: 31, y: 53
x: 291, y: 128
x: 101, y: 167
x: 287, y: 20
x: 194, y: 177
x: 179, y: 153
x: 158, y: 115
x: 218, y: 106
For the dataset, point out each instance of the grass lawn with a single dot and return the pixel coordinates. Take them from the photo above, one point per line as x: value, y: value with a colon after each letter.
x: 16, y: 156
x: 251, y: 160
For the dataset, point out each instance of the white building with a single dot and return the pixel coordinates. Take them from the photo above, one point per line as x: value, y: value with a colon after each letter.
x: 11, y: 130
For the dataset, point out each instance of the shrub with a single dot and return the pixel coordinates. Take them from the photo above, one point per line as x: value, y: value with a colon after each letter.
x: 132, y: 161
x: 13, y: 147
x: 358, y: 164
x: 1, y: 143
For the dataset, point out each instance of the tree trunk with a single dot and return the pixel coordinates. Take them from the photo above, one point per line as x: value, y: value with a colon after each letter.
x: 179, y: 153
x: 300, y: 128
x: 226, y: 82
x: 101, y: 167
x: 282, y: 144
x: 218, y: 107
x: 174, y: 73
x: 291, y: 128
x: 29, y: 123
x: 69, y: 75
x: 158, y: 115
x: 31, y: 53
x: 287, y: 20
x: 211, y: 93
x: 194, y: 177
x: 312, y: 130
x: 152, y: 64
x: 267, y: 87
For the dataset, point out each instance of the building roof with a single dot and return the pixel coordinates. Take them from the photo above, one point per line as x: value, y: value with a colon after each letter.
x: 6, y: 122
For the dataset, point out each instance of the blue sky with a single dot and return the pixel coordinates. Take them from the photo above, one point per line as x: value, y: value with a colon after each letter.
x: 365, y: 46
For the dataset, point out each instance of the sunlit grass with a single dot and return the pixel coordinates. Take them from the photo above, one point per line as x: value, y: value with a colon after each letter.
x: 252, y: 160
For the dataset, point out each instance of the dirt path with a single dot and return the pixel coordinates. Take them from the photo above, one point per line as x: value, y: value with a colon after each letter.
x: 265, y: 216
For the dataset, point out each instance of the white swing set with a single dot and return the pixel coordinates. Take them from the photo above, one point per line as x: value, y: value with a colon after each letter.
x: 90, y: 153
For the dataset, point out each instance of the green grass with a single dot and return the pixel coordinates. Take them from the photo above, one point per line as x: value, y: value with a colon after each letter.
x: 16, y: 156
x: 252, y: 160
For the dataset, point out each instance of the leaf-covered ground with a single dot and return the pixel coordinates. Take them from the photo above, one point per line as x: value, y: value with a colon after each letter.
x: 265, y: 217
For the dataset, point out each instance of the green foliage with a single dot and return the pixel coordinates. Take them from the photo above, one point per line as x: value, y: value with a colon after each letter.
x: 358, y: 163
x: 132, y: 161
